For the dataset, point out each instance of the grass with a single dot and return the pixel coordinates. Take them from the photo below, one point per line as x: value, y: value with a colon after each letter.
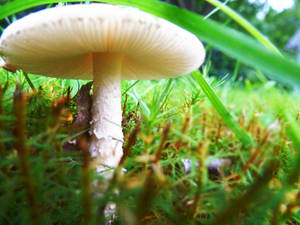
x: 164, y: 122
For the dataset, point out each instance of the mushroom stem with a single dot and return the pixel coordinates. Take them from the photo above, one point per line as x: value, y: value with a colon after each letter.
x: 107, y: 137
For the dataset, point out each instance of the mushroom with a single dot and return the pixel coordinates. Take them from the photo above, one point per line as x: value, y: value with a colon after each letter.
x: 105, y: 43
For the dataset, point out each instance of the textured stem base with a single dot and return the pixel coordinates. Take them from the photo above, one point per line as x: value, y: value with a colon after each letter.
x: 107, y: 137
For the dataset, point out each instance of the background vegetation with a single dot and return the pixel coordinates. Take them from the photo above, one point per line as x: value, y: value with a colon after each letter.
x: 190, y: 157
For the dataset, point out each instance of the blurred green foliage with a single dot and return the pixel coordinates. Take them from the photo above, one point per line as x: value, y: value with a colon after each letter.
x: 278, y: 27
x: 250, y: 189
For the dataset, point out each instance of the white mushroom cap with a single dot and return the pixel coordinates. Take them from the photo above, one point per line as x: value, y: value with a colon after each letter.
x: 59, y: 42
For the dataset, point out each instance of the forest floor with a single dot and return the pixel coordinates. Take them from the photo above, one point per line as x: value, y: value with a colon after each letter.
x: 183, y: 164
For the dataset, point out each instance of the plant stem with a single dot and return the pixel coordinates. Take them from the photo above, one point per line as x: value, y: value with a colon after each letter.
x: 29, y: 82
x: 2, y: 147
x: 20, y: 129
x: 236, y: 70
x: 86, y: 181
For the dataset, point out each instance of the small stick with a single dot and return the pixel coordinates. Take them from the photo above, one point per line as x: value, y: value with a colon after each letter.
x: 29, y: 82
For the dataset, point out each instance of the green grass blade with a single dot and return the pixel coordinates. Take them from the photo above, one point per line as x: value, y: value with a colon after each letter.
x: 293, y: 133
x: 230, y: 41
x: 245, y: 24
x: 215, y: 10
x: 222, y: 111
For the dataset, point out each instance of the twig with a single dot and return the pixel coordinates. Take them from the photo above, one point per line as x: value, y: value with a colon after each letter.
x: 29, y: 82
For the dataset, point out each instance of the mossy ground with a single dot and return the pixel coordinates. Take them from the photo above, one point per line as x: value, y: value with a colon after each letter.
x: 164, y: 122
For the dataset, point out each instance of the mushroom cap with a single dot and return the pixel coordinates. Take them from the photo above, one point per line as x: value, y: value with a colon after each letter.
x: 60, y: 42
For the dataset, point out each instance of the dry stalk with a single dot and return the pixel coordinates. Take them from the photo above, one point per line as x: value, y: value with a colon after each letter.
x: 201, y: 152
x: 86, y: 181
x: 2, y: 147
x: 20, y: 146
x: 162, y: 143
x: 131, y: 142
x: 178, y: 144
